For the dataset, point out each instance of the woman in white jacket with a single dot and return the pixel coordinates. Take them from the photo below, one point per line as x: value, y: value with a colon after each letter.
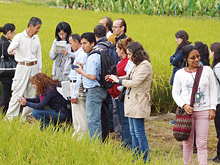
x: 62, y: 58
x: 205, y: 103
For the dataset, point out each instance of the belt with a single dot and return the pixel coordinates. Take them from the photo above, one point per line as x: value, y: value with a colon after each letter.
x: 72, y: 81
x: 28, y: 63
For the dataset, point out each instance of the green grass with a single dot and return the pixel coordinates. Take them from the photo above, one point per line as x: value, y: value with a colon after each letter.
x: 155, y: 33
x: 24, y: 143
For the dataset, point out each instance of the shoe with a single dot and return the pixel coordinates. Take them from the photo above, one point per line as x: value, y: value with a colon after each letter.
x: 194, y: 149
x: 172, y: 122
x: 216, y: 160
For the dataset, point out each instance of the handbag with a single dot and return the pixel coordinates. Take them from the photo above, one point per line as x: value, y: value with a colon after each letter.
x: 7, y: 66
x: 183, y: 121
x: 121, y: 97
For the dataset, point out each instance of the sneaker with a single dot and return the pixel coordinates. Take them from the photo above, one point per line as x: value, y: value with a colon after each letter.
x: 216, y: 160
x: 172, y: 122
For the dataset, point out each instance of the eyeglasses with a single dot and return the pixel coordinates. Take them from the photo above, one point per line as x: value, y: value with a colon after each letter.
x: 115, y: 27
x: 62, y: 34
x: 193, y: 58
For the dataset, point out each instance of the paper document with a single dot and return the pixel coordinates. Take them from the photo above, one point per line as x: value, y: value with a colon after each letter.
x: 59, y: 45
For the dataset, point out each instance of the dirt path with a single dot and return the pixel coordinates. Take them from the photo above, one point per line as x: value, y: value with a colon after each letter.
x: 161, y: 140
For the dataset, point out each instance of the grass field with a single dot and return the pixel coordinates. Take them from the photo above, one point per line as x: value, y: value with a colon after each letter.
x: 26, y: 144
x: 154, y: 32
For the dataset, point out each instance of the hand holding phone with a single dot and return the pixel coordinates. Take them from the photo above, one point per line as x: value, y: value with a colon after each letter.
x: 75, y: 66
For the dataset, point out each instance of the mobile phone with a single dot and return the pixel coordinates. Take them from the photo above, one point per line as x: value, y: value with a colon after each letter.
x: 75, y: 66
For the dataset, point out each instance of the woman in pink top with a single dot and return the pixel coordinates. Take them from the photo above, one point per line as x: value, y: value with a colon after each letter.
x: 205, y: 103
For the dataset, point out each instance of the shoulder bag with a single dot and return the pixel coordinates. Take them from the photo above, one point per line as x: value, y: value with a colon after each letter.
x: 7, y: 66
x: 183, y: 121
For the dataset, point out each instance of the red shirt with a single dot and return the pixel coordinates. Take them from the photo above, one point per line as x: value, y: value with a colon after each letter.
x: 120, y: 72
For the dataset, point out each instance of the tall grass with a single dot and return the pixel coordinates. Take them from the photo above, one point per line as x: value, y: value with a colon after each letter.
x: 24, y: 143
x: 156, y: 33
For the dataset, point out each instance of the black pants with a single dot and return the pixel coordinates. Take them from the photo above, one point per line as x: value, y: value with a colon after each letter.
x: 217, y: 126
x: 6, y: 95
x: 105, y: 117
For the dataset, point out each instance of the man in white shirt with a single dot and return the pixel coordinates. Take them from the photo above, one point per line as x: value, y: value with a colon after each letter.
x: 78, y: 96
x: 26, y: 48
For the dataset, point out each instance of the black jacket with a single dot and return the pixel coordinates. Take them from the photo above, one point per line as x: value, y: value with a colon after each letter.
x: 4, y: 42
x: 123, y: 36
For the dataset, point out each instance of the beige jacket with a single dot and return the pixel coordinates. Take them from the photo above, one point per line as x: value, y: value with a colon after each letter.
x: 137, y: 102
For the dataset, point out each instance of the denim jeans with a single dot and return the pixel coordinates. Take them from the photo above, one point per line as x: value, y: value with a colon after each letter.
x: 139, y: 138
x: 94, y: 99
x: 110, y: 112
x: 126, y: 135
x: 217, y: 126
x: 47, y: 115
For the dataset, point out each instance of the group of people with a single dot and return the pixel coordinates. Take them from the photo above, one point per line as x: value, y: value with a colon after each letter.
x: 186, y: 61
x: 77, y: 61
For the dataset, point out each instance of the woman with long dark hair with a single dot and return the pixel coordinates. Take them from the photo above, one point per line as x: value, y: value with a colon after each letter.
x: 204, y: 107
x: 215, y: 56
x: 204, y: 53
x: 47, y: 96
x: 8, y: 31
x: 62, y: 58
x: 177, y: 58
x: 137, y: 105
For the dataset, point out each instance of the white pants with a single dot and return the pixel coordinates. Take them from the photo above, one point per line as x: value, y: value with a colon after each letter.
x: 22, y: 87
x: 79, y: 115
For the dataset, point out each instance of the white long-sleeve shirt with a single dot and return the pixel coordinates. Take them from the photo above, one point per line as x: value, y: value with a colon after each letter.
x: 183, y: 84
x: 80, y: 56
x: 26, y: 49
x: 216, y: 69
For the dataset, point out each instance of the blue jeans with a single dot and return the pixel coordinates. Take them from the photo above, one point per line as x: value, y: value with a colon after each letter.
x: 139, y: 138
x: 47, y: 115
x: 126, y: 135
x: 94, y: 99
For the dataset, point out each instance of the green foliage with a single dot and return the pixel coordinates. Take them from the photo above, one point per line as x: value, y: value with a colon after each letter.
x: 155, y: 7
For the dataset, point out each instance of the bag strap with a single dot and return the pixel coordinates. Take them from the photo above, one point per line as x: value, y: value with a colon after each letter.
x: 196, y: 85
x: 216, y: 77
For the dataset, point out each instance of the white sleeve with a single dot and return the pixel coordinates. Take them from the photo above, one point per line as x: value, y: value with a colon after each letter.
x: 212, y: 90
x: 176, y: 90
x: 129, y: 66
x: 39, y: 57
x: 52, y: 53
x: 15, y: 43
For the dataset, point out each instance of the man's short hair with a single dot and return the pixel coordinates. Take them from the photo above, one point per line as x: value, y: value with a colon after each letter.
x: 89, y: 36
x: 109, y: 23
x: 76, y: 37
x: 100, y: 31
x: 34, y: 21
x: 123, y: 23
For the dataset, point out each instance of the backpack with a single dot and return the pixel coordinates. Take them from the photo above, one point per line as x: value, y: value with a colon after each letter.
x: 111, y: 50
x: 108, y: 67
